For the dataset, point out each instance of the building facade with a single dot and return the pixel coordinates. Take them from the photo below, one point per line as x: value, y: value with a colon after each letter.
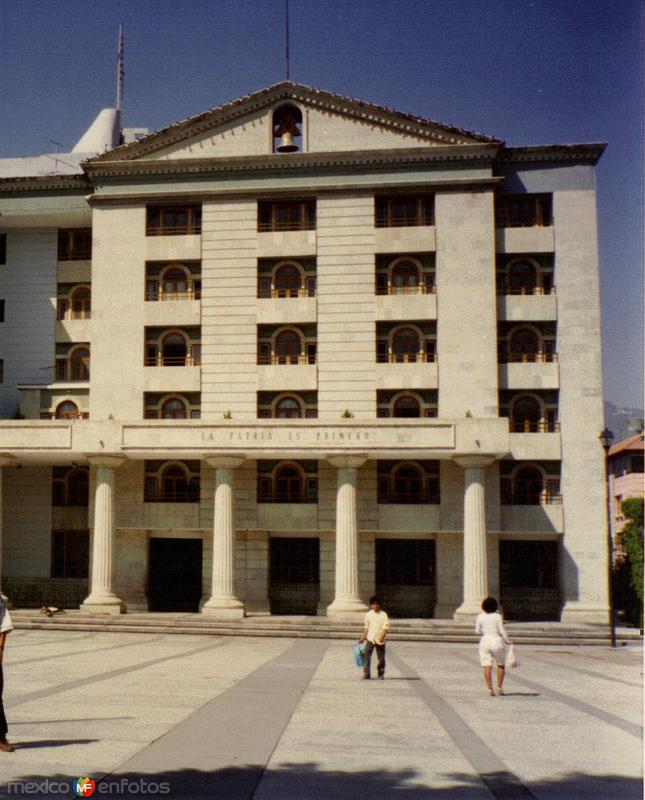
x: 626, y: 476
x: 299, y: 349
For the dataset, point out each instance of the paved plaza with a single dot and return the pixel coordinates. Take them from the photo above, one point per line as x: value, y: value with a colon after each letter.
x: 189, y: 716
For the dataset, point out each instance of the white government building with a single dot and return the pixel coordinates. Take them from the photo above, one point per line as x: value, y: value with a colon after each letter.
x: 296, y: 350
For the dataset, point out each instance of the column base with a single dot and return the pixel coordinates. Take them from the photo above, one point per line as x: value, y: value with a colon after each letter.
x: 575, y: 614
x: 224, y: 608
x: 347, y: 609
x: 467, y: 612
x: 103, y: 605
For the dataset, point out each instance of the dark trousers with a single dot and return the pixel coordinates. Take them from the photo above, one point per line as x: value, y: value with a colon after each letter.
x: 380, y: 658
x: 3, y: 719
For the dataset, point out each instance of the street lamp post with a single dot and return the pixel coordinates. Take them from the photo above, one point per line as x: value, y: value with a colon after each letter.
x: 606, y: 438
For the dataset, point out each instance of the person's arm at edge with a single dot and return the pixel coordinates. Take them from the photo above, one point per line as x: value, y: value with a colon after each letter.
x: 3, y: 636
x: 502, y: 631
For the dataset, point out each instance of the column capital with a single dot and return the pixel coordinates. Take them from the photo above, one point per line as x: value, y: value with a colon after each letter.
x: 347, y: 461
x: 475, y: 461
x: 7, y: 460
x: 105, y: 460
x: 224, y: 461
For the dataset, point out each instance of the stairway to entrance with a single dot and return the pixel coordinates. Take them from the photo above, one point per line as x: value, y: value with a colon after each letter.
x: 307, y: 627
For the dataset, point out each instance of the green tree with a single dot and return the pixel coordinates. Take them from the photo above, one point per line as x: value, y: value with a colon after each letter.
x: 631, y: 538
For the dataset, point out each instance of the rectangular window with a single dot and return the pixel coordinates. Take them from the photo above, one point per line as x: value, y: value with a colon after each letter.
x: 3, y: 248
x: 523, y: 210
x: 405, y: 562
x: 531, y: 565
x: 75, y: 244
x: 1, y: 370
x: 70, y: 557
x: 1, y: 310
x: 404, y: 211
x: 173, y: 220
x: 636, y: 464
x: 290, y: 215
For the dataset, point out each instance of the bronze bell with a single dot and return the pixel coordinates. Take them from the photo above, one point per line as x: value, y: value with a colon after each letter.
x: 287, y: 144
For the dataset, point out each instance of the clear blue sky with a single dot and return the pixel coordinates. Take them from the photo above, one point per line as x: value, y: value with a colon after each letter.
x: 527, y: 71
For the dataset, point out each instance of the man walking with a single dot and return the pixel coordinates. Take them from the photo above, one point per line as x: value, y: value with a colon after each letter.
x: 5, y: 627
x: 374, y: 633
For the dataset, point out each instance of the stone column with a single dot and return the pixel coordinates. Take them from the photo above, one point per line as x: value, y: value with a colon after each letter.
x: 223, y: 603
x: 6, y: 460
x: 347, y: 602
x: 475, y: 540
x: 101, y: 599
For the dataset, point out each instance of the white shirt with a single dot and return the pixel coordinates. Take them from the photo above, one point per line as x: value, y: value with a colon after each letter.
x: 487, y: 624
x: 376, y: 623
x: 5, y: 619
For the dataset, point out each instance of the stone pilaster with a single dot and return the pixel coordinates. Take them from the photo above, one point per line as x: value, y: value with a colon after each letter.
x: 475, y: 539
x: 5, y: 461
x: 347, y: 603
x: 102, y: 599
x: 223, y: 603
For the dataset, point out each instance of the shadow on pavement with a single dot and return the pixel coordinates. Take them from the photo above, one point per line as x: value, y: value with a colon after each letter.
x: 307, y: 782
x: 51, y: 743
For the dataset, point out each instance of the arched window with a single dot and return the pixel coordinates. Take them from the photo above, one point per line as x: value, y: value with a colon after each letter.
x: 174, y: 281
x: 405, y: 345
x: 287, y: 281
x: 67, y: 410
x: 173, y: 350
x: 522, y: 278
x: 174, y: 408
x: 288, y: 485
x: 77, y: 487
x: 175, y: 484
x: 81, y: 303
x: 407, y: 484
x: 288, y: 347
x: 79, y: 364
x: 525, y: 415
x: 407, y: 405
x: 528, y: 485
x: 404, y: 278
x: 524, y: 345
x: 287, y: 132
x: 288, y: 408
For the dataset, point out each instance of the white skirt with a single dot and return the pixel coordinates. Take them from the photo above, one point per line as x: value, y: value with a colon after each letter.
x: 492, y: 647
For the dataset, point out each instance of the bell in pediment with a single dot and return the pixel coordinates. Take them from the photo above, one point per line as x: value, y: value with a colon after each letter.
x: 287, y: 143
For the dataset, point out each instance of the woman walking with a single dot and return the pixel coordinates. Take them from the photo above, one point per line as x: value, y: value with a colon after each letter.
x: 5, y: 627
x: 492, y: 645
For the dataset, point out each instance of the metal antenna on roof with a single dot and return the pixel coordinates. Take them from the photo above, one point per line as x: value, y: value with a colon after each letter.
x: 119, y: 70
x: 286, y: 34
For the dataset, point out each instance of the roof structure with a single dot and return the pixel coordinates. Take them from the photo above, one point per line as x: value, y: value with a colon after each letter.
x: 633, y: 443
x: 289, y: 90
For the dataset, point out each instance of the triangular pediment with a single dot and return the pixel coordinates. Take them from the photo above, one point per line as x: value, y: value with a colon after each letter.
x: 331, y: 123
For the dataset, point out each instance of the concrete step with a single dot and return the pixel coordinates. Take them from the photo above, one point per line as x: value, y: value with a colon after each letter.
x: 314, y: 627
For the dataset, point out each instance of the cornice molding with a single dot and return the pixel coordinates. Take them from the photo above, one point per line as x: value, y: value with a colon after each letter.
x: 296, y: 161
x: 43, y: 183
x: 197, y: 195
x: 590, y: 152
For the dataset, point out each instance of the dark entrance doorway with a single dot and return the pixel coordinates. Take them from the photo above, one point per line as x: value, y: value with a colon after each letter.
x: 529, y: 578
x: 294, y: 578
x: 175, y: 574
x: 405, y: 576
